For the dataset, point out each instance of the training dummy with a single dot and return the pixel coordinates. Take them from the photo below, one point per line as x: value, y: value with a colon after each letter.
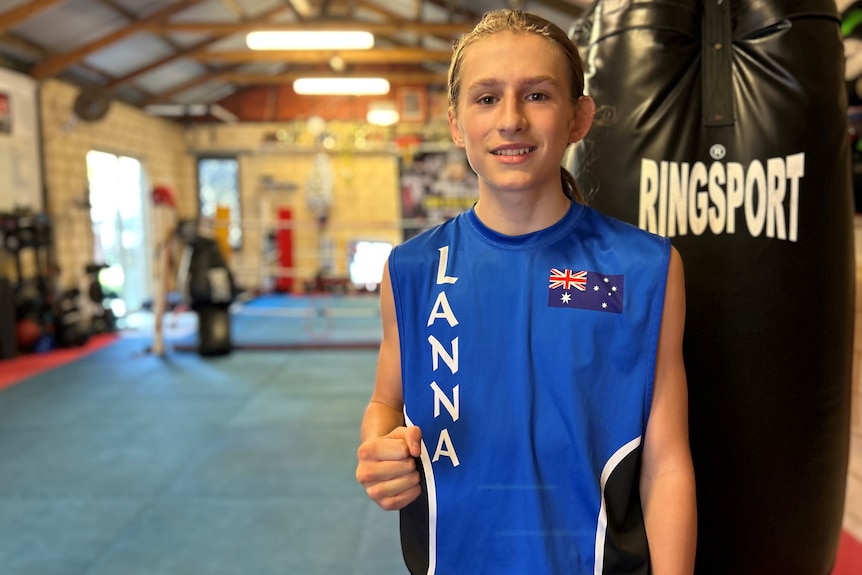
x: 209, y: 288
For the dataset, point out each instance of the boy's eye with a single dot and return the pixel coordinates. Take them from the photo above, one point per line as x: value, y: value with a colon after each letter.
x: 537, y: 97
x: 487, y: 100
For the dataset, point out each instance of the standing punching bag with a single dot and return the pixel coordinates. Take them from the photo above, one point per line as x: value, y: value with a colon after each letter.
x: 722, y: 124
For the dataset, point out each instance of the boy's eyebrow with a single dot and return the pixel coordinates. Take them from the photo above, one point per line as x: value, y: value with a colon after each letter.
x: 530, y: 81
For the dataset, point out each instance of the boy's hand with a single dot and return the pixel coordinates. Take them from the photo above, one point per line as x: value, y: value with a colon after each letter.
x: 387, y: 469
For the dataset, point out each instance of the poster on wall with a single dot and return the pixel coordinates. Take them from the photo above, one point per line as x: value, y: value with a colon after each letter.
x: 20, y: 155
x: 435, y: 186
x: 5, y: 114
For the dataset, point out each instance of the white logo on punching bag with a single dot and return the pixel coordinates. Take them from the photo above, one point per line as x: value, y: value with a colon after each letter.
x: 681, y: 198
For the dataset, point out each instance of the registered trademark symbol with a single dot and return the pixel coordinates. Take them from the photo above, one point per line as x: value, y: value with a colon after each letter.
x: 717, y: 152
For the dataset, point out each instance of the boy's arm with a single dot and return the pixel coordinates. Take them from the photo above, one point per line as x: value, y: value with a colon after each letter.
x: 386, y: 467
x: 667, y: 482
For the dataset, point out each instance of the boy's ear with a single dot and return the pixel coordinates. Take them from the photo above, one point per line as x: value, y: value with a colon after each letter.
x: 585, y: 111
x: 454, y: 129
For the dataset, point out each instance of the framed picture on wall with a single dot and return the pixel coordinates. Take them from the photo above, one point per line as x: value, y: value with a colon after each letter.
x: 413, y: 104
x: 438, y: 105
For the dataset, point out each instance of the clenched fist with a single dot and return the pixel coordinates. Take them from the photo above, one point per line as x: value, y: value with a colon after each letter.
x: 387, y: 468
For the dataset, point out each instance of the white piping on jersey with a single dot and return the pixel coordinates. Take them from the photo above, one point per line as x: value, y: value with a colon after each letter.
x: 431, y: 493
x: 602, y: 527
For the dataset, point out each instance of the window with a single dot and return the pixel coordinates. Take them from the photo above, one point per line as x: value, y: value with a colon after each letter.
x: 120, y: 233
x: 218, y: 186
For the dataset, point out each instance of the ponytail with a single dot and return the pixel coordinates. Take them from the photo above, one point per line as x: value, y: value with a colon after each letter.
x: 570, y: 187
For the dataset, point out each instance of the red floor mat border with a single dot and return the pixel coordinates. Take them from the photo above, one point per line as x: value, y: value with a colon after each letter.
x: 17, y: 369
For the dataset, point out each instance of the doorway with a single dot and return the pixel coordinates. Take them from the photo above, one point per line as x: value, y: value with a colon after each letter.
x: 117, y: 213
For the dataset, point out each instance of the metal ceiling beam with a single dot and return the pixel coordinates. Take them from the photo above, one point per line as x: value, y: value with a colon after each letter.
x: 407, y: 55
x: 189, y: 52
x: 27, y: 10
x: 182, y: 53
x: 56, y: 64
x: 292, y: 7
x: 439, y: 28
x: 380, y: 10
x: 166, y: 95
x: 19, y: 43
x: 38, y: 53
x: 112, y: 4
x: 409, y: 78
x: 391, y: 17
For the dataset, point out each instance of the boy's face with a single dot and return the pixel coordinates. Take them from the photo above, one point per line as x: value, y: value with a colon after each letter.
x: 515, y: 114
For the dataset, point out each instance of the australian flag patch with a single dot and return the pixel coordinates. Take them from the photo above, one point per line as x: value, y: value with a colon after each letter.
x: 586, y: 290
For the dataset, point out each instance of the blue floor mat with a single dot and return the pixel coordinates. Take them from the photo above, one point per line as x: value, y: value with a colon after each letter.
x: 275, y: 321
x: 128, y: 463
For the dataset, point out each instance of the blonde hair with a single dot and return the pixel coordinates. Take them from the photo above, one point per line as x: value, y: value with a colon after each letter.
x: 518, y: 21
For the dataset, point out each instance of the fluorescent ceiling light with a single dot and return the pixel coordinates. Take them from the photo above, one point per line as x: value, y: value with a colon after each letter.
x: 341, y: 86
x: 310, y: 40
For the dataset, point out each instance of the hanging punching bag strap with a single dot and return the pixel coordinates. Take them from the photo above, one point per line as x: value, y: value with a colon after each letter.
x: 717, y: 78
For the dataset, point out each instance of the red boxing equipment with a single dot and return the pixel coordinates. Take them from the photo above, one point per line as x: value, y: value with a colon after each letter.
x: 163, y: 195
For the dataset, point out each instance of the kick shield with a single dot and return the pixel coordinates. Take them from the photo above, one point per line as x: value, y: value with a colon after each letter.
x: 722, y: 124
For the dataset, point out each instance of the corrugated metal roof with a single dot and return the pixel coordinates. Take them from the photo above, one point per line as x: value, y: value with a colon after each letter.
x: 193, y: 51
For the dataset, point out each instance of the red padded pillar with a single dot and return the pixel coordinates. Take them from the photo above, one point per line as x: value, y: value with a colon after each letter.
x: 284, y: 241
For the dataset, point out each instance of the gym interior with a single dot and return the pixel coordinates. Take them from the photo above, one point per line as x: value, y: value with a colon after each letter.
x: 192, y: 251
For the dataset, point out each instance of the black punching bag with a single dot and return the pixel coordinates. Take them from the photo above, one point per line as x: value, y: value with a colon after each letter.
x: 722, y: 124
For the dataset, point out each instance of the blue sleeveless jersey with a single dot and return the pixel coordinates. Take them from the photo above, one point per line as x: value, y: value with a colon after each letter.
x: 528, y: 363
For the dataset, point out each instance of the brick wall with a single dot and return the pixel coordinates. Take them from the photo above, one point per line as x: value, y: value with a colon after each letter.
x: 159, y: 145
x: 365, y: 181
x: 365, y: 195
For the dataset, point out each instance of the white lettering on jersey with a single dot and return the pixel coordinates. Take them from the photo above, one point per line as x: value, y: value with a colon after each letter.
x: 445, y: 448
x: 442, y: 310
x: 440, y: 398
x: 442, y: 278
x: 438, y: 351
